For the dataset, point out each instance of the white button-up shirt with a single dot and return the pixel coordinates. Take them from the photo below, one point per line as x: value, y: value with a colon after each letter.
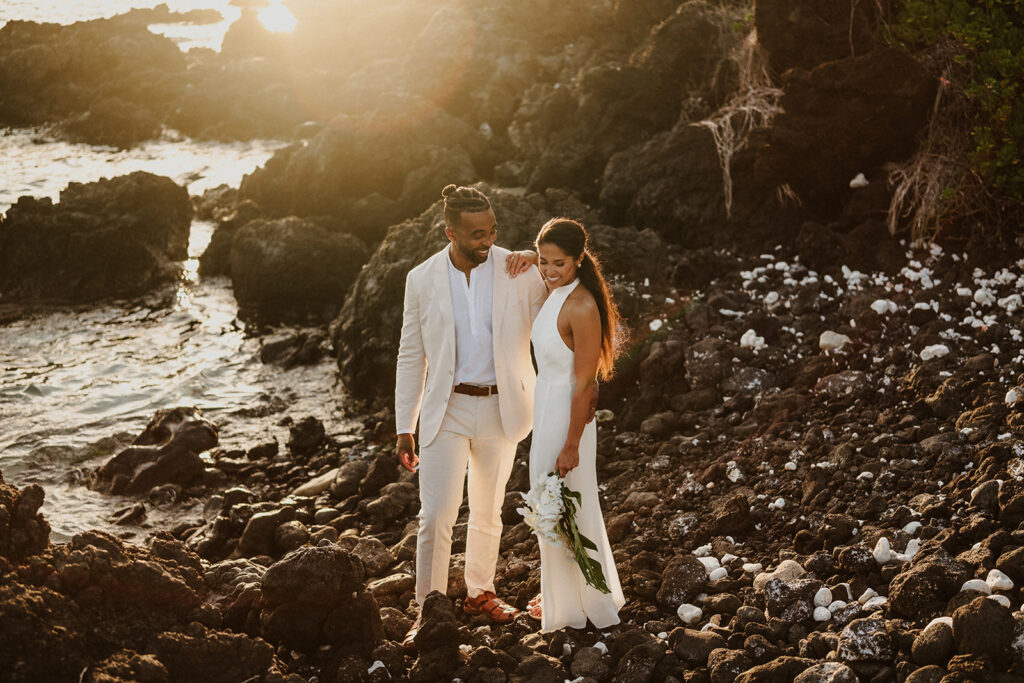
x: 472, y: 305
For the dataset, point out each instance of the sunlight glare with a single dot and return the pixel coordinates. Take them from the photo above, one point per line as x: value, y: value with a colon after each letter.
x: 277, y: 18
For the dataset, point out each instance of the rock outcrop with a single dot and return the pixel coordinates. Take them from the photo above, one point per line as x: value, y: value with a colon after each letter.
x: 113, y: 237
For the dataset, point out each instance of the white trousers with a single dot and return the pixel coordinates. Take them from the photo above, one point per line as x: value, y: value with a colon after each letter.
x: 470, y: 434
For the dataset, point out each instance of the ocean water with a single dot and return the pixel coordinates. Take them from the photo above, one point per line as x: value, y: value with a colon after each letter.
x: 187, y: 36
x: 78, y: 382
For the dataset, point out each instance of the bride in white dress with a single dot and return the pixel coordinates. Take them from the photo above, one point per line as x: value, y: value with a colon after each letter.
x: 574, y: 341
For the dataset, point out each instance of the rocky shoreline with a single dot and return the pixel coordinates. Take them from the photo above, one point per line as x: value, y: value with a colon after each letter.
x: 808, y: 474
x: 811, y: 456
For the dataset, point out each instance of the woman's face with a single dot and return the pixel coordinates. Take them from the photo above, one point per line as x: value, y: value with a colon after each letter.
x: 556, y: 267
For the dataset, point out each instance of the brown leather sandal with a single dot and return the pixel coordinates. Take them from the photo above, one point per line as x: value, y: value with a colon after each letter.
x: 409, y: 642
x: 491, y: 606
x: 534, y: 608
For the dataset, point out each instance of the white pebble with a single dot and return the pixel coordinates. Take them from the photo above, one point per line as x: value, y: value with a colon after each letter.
x: 866, y: 475
x: 934, y: 351
x: 728, y: 557
x: 998, y: 581
x: 948, y: 621
x: 790, y: 466
x: 883, y: 306
x: 822, y: 614
x: 912, y: 527
x: 703, y: 550
x: 771, y: 298
x: 882, y: 551
x: 656, y: 324
x: 832, y: 341
x: 710, y: 563
x: 859, y: 181
x: 689, y: 614
x: 876, y: 602
x: 976, y: 585
x: 1001, y: 599
x: 1011, y: 397
x: 602, y: 647
x: 867, y: 595
x: 752, y: 567
x: 750, y: 340
x: 376, y: 665
x: 566, y: 649
x: 912, y: 548
x: 836, y: 605
x: 717, y: 574
x: 823, y: 598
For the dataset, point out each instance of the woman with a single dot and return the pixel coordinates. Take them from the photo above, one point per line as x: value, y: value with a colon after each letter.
x: 574, y: 340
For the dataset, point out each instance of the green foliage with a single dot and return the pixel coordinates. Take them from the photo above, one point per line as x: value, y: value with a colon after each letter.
x: 988, y: 39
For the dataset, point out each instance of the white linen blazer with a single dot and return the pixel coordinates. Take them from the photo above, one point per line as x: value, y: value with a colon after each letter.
x: 426, y: 353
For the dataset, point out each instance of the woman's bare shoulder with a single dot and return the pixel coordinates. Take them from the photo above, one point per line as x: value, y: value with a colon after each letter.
x: 581, y: 302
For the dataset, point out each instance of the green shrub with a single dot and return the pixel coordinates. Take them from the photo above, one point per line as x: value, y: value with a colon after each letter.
x: 988, y: 42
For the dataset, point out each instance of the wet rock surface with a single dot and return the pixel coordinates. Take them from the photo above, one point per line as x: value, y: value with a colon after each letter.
x: 113, y: 237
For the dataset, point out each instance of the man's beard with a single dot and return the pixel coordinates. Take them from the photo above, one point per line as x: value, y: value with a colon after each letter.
x: 473, y: 256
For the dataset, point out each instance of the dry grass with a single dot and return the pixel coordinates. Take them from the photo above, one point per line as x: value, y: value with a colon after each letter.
x: 754, y: 104
x: 936, y: 187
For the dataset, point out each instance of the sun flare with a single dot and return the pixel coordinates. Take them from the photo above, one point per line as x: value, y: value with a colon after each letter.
x: 277, y: 18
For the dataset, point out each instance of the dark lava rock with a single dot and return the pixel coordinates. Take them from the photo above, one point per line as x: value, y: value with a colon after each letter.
x: 865, y: 640
x: 827, y: 672
x: 167, y: 452
x: 791, y: 601
x: 315, y: 596
x: 876, y: 103
x: 200, y: 654
x: 681, y: 580
x: 437, y: 640
x: 23, y: 531
x: 305, y: 436
x: 113, y: 237
x: 289, y: 266
x: 693, y: 646
x: 934, y: 645
x: 802, y: 35
x: 779, y: 670
x: 923, y: 589
x: 108, y: 81
x: 984, y: 628
x: 725, y: 665
x: 356, y: 157
x: 927, y: 674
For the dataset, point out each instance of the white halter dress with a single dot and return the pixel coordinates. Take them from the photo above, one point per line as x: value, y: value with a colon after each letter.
x: 566, y: 598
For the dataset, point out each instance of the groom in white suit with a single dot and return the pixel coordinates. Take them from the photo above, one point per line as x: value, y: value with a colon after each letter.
x: 466, y: 341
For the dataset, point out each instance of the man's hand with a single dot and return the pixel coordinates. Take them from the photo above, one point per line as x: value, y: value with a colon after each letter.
x: 593, y: 403
x: 519, y: 262
x: 405, y: 448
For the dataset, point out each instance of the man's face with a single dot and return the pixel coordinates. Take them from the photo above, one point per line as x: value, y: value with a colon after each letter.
x: 474, y: 235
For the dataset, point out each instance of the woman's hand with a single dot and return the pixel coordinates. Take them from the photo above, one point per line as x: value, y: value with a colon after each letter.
x: 519, y: 262
x: 568, y: 459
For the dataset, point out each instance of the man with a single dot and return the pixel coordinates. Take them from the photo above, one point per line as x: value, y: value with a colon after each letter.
x: 466, y: 340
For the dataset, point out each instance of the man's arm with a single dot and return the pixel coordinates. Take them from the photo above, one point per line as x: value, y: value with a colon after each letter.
x: 538, y: 291
x: 410, y: 375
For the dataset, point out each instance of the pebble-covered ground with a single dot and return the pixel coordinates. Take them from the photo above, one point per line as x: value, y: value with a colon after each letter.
x: 810, y: 473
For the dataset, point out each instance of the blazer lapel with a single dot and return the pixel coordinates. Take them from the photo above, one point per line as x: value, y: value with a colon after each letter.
x: 443, y: 297
x: 499, y: 295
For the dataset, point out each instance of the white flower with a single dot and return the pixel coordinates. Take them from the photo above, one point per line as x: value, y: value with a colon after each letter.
x: 543, y: 509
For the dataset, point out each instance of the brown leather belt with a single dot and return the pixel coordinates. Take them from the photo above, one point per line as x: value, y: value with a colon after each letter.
x: 471, y: 390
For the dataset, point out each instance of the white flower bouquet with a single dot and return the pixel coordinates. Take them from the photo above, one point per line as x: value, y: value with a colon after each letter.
x: 551, y: 512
